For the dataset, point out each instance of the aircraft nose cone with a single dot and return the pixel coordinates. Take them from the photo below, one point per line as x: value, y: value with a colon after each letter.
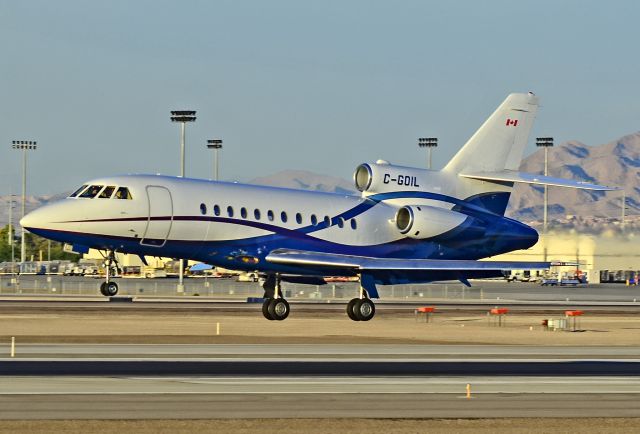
x: 35, y: 219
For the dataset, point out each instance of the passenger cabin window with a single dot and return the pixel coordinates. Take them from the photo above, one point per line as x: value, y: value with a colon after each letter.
x: 123, y: 193
x: 283, y: 217
x: 78, y: 191
x: 256, y: 213
x: 203, y: 209
x: 354, y: 225
x: 243, y: 212
x: 270, y: 215
x: 91, y: 192
x: 298, y: 218
x: 230, y: 211
x: 216, y: 210
x: 327, y: 220
x: 107, y: 192
x: 314, y: 219
x: 340, y: 222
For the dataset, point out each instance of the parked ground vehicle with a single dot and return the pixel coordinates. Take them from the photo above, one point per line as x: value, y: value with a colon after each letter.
x: 524, y: 276
x: 247, y: 277
x: 154, y: 272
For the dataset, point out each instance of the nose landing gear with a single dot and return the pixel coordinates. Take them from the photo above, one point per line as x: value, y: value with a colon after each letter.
x: 109, y: 288
x: 275, y: 307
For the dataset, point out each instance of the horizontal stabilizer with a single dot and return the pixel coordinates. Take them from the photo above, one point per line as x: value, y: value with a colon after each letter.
x: 364, y: 263
x: 530, y: 178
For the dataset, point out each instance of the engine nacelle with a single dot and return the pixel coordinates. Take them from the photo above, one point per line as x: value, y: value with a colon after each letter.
x: 422, y: 221
x: 381, y: 177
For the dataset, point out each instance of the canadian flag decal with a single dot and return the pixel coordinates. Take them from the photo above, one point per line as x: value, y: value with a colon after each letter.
x: 513, y: 122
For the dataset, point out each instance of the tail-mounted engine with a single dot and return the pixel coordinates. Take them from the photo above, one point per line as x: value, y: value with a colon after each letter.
x: 381, y: 177
x: 422, y: 221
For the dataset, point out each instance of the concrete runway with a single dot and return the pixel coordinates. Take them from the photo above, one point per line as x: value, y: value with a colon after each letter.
x: 80, y: 381
x: 323, y: 351
x: 310, y: 404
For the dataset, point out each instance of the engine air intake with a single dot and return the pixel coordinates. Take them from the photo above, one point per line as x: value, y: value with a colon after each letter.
x: 363, y: 177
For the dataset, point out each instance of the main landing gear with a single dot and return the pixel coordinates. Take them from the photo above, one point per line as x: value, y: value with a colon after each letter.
x: 109, y: 288
x: 275, y: 307
x: 361, y: 309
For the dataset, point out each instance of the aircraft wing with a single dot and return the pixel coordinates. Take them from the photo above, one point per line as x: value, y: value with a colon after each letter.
x: 530, y: 178
x: 388, y: 271
x: 364, y: 263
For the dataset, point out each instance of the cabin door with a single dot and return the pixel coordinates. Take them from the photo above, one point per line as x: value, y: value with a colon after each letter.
x: 160, y: 216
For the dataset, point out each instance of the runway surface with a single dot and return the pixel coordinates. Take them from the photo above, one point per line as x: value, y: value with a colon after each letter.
x: 78, y: 381
x: 318, y: 405
x: 328, y: 367
x: 325, y: 351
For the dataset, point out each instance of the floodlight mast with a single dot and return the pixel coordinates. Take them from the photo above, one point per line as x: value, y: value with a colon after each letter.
x: 11, y: 236
x: 215, y: 144
x: 546, y: 143
x: 429, y: 143
x: 182, y: 116
x: 24, y: 145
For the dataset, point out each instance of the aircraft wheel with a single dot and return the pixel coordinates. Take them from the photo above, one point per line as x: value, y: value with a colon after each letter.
x: 110, y: 289
x: 265, y: 309
x: 278, y: 309
x: 351, y: 312
x: 364, y: 309
x: 102, y: 289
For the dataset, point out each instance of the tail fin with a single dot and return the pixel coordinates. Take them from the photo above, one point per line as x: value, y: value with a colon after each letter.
x: 499, y: 143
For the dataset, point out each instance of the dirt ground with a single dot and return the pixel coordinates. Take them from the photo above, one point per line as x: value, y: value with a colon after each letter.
x: 324, y: 426
x: 249, y: 326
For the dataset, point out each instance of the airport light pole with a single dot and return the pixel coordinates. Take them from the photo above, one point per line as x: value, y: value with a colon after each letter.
x: 10, y: 239
x: 24, y: 145
x: 546, y: 143
x: 429, y: 143
x: 215, y: 144
x: 182, y: 116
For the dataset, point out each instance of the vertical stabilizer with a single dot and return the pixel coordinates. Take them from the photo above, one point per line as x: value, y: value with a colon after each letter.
x: 499, y: 143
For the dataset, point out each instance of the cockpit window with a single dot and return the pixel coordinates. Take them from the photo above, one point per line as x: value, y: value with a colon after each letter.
x: 91, y: 192
x: 78, y: 191
x: 107, y: 192
x: 123, y: 193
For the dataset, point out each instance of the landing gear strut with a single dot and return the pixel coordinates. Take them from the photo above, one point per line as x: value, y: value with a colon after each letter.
x: 275, y: 307
x: 108, y: 288
x: 361, y: 309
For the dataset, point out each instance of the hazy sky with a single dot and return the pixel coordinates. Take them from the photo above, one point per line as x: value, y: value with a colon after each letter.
x: 313, y: 85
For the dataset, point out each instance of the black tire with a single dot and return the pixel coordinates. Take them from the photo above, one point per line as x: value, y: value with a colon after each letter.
x: 278, y: 309
x: 111, y: 289
x: 351, y: 312
x: 364, y: 309
x: 265, y: 309
x: 102, y: 289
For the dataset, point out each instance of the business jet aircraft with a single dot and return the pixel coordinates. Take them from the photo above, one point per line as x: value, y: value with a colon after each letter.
x: 409, y: 225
